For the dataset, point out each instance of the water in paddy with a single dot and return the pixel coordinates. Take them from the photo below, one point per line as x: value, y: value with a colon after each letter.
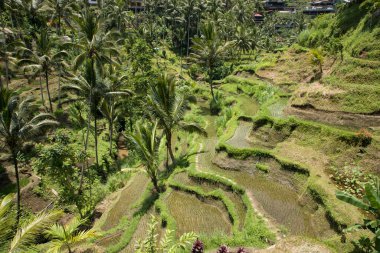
x: 275, y: 191
x: 277, y: 109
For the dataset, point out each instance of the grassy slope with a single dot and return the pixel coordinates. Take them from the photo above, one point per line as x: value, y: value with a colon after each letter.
x: 351, y: 85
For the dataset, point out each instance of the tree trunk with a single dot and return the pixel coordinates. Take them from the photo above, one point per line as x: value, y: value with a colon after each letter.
x: 48, y: 91
x: 188, y: 36
x: 59, y: 24
x: 111, y: 135
x: 85, y: 150
x: 212, y: 90
x: 96, y: 142
x: 59, y: 88
x: 42, y: 92
x: 18, y: 197
x: 210, y: 83
x: 169, y: 146
x: 7, y: 73
x: 155, y: 183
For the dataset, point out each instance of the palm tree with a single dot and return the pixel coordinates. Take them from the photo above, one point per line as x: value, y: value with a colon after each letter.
x: 25, y: 236
x: 17, y: 125
x: 168, y: 106
x: 64, y: 237
x: 44, y: 60
x: 245, y: 39
x: 6, y: 220
x: 191, y: 9
x: 109, y: 106
x: 209, y: 50
x: 147, y: 145
x: 7, y: 57
x: 59, y: 10
x: 90, y: 90
x: 95, y: 46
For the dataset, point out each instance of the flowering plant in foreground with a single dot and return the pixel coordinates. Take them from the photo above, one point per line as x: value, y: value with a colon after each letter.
x: 197, y: 247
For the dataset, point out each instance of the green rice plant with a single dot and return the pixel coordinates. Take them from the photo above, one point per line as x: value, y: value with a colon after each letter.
x: 146, y: 202
x: 262, y: 167
x: 216, y: 194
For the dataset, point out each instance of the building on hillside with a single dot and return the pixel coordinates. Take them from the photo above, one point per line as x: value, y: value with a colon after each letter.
x: 93, y: 2
x: 258, y: 18
x: 316, y: 10
x: 317, y: 7
x: 323, y: 3
x: 274, y: 5
x: 136, y: 5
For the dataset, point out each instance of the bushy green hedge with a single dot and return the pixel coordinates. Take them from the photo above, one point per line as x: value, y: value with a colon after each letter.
x: 216, y: 179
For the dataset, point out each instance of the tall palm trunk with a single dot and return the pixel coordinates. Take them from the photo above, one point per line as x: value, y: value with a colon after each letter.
x: 7, y: 73
x: 59, y: 87
x: 110, y: 125
x: 188, y: 35
x: 155, y: 182
x: 42, y: 92
x: 96, y: 141
x: 48, y: 91
x: 85, y: 150
x: 59, y: 24
x: 18, y: 197
x: 169, y: 145
x: 111, y: 136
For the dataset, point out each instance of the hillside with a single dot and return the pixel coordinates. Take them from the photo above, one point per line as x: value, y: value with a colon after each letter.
x: 187, y: 126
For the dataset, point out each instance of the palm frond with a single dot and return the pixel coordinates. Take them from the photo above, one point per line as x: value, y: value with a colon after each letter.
x: 193, y: 128
x: 26, y: 235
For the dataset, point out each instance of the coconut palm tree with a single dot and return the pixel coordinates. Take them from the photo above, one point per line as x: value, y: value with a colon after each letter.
x: 44, y: 60
x: 58, y: 11
x: 18, y: 123
x: 245, y: 39
x: 64, y: 237
x: 91, y: 91
x: 147, y: 145
x: 24, y: 239
x: 168, y: 106
x: 7, y: 57
x: 109, y: 106
x: 94, y: 45
x: 209, y: 50
x: 7, y: 220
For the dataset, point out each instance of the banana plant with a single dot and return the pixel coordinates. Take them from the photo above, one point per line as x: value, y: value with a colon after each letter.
x: 371, y: 204
x: 167, y: 244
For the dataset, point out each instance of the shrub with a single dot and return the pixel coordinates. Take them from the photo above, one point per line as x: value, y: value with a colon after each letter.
x: 364, y: 136
x: 222, y: 71
x: 195, y: 71
x: 216, y: 104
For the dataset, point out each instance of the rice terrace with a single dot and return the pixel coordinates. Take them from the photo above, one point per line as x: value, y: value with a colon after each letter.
x: 199, y: 126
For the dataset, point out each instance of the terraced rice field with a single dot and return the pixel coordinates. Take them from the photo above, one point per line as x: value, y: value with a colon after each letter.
x: 202, y: 217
